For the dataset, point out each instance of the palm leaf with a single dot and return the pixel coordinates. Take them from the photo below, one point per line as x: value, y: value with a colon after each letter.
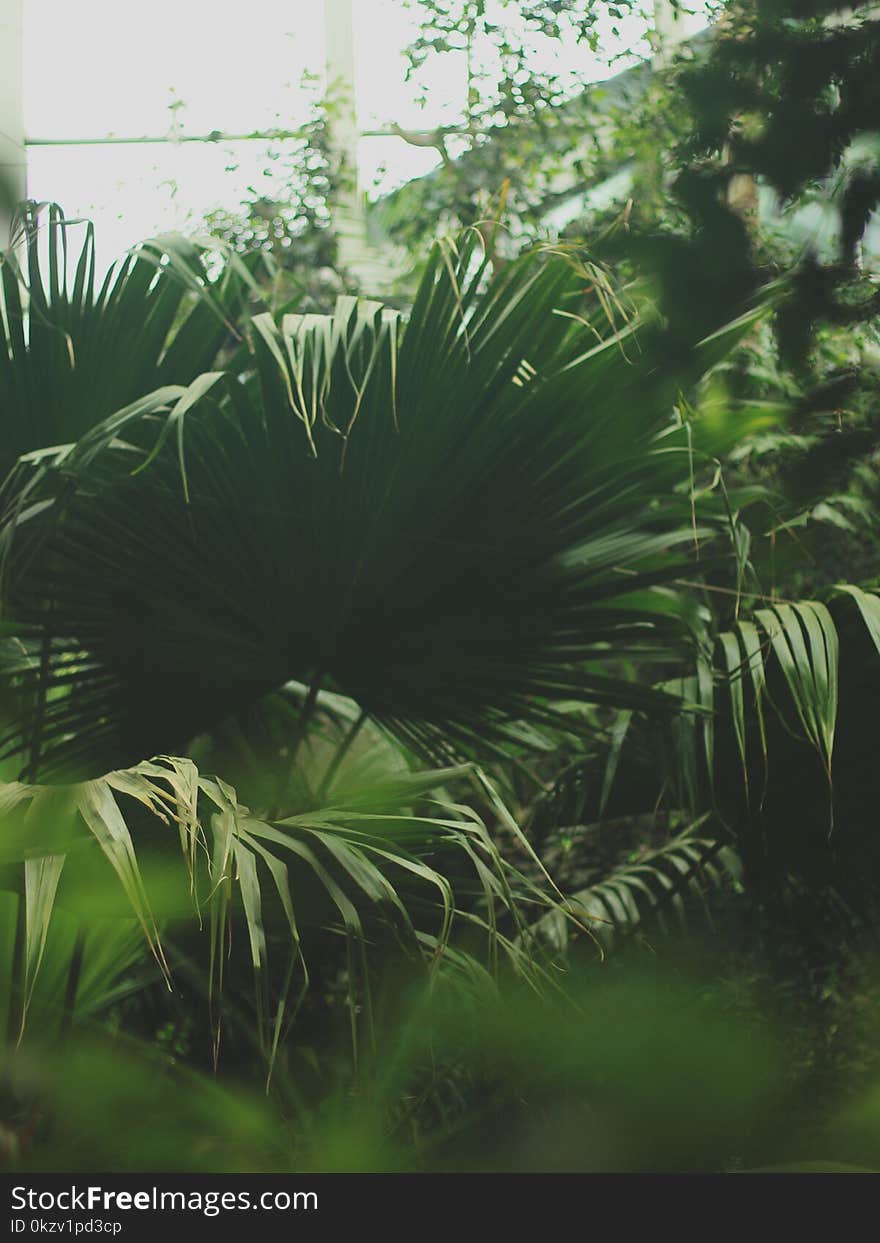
x: 455, y: 523
x: 801, y: 643
x: 642, y: 891
x: 76, y: 348
x: 368, y: 858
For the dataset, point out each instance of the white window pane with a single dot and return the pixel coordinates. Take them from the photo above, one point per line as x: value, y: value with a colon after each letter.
x: 99, y: 67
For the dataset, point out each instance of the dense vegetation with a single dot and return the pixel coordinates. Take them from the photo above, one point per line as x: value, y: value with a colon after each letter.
x: 442, y: 736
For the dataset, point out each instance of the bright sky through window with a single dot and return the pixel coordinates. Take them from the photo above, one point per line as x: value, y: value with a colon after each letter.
x: 102, y: 68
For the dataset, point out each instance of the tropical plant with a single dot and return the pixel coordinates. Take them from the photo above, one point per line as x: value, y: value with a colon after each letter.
x: 78, y: 347
x: 364, y: 862
x: 440, y: 528
x: 772, y: 781
x: 427, y: 656
x: 454, y: 522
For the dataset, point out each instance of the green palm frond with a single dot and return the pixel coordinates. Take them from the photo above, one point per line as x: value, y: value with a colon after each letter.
x: 641, y: 892
x: 78, y: 346
x: 454, y: 521
x: 799, y: 643
x: 770, y: 697
x: 387, y: 859
x: 72, y: 973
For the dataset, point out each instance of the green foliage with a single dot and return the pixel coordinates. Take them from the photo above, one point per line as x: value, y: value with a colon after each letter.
x: 392, y: 667
x: 78, y: 347
x: 526, y: 127
x: 643, y: 890
x: 642, y: 1072
x: 384, y: 859
x: 452, y: 522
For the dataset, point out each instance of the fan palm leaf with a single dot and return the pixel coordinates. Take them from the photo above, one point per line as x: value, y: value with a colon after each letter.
x: 455, y: 521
